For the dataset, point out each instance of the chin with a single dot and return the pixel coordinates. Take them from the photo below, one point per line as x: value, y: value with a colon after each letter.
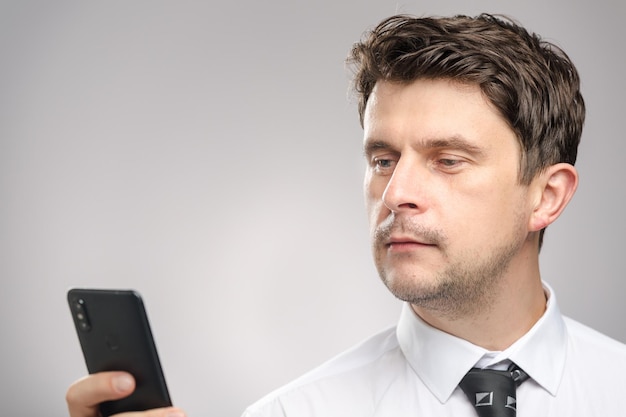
x: 409, y: 286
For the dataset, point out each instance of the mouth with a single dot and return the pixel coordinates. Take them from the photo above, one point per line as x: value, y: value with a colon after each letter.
x: 405, y: 235
x: 402, y: 244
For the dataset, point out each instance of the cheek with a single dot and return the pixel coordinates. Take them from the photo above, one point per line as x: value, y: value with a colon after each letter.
x: 498, y: 215
x: 376, y: 212
x: 373, y: 192
x: 368, y: 185
x: 490, y: 210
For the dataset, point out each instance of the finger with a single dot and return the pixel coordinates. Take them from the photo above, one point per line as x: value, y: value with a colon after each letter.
x: 157, y: 412
x: 84, y: 395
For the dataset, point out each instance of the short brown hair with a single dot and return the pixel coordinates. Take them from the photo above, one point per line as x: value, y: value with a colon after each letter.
x: 531, y: 82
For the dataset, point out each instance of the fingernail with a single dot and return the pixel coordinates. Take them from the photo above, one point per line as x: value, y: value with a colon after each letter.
x: 123, y: 383
x: 175, y: 413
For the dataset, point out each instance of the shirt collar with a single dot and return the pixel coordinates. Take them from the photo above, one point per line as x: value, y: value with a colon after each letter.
x: 541, y: 352
x: 441, y: 359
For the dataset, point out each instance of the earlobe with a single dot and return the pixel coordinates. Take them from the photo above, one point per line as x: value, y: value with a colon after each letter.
x: 556, y: 188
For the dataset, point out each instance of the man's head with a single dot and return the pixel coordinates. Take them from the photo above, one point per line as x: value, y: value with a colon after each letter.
x: 532, y: 83
x: 471, y: 127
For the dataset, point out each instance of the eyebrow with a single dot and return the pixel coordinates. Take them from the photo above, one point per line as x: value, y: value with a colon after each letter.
x: 376, y: 145
x: 452, y: 142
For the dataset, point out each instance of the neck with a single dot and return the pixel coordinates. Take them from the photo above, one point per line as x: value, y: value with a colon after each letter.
x: 514, y: 307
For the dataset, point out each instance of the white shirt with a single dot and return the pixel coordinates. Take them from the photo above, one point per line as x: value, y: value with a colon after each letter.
x: 414, y: 370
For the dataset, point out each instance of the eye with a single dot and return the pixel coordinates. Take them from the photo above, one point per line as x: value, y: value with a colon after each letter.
x: 383, y: 164
x: 449, y: 162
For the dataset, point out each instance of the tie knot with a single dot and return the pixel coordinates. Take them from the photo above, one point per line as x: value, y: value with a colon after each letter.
x: 518, y: 376
x: 493, y: 392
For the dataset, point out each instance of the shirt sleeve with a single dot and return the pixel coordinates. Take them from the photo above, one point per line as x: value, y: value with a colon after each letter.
x: 269, y: 409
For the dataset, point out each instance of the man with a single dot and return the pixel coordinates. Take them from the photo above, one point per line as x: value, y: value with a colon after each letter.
x: 471, y: 128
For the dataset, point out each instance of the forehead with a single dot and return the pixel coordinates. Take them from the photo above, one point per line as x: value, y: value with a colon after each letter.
x: 435, y: 109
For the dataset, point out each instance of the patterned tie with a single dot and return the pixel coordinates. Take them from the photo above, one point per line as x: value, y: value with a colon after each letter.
x: 493, y: 392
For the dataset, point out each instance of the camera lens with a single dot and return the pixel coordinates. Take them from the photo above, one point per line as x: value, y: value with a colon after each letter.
x: 82, y: 321
x: 78, y: 304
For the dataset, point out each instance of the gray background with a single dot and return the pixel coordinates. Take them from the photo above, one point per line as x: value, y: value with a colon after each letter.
x: 208, y: 154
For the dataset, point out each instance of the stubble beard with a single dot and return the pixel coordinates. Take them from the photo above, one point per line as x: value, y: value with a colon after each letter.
x: 465, y: 287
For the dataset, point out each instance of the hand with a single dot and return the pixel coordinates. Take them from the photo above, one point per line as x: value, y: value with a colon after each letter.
x: 84, y: 395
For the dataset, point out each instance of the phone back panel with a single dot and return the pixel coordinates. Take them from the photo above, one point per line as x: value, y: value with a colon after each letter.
x: 115, y: 335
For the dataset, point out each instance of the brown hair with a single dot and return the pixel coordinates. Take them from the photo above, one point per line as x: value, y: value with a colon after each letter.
x: 532, y: 83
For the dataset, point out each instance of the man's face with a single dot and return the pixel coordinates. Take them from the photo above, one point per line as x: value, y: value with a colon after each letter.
x: 447, y: 214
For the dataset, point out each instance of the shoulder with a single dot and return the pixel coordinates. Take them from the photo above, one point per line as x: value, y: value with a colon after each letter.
x: 594, y: 367
x: 346, y: 371
x: 595, y: 357
x: 584, y: 338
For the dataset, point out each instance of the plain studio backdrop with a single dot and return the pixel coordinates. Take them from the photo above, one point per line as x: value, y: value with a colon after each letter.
x: 208, y: 154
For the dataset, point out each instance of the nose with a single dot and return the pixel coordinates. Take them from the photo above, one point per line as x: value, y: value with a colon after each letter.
x: 403, y: 192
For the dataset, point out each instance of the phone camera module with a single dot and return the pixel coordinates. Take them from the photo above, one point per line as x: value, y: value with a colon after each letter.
x: 80, y: 313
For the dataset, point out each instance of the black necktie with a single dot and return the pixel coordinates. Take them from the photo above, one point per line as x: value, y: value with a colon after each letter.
x: 493, y: 392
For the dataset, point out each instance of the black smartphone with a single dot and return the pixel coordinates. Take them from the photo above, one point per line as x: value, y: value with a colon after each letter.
x: 115, y: 335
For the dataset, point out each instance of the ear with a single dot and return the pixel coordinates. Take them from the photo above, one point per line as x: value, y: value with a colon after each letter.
x: 554, y: 188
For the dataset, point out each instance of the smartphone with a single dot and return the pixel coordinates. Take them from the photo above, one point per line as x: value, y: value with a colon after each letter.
x: 114, y: 334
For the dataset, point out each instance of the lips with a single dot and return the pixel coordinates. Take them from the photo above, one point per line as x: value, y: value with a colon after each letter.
x: 398, y: 232
x: 406, y: 243
x: 406, y: 240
